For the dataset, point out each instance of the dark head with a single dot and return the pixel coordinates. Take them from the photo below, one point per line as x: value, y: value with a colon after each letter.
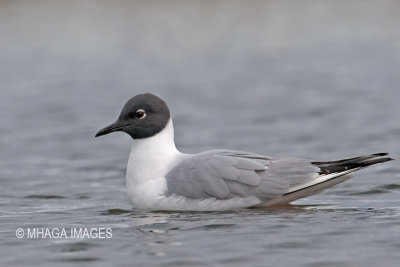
x: 143, y: 116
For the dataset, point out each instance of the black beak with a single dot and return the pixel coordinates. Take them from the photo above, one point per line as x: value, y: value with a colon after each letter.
x: 116, y: 126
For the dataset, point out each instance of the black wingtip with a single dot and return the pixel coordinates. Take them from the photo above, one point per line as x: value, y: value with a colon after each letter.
x: 353, y: 163
x: 375, y: 161
x: 388, y: 159
x: 381, y: 154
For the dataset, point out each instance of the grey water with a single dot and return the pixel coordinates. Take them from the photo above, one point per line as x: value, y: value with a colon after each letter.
x: 312, y: 79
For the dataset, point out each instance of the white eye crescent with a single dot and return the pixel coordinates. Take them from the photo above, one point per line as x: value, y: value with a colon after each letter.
x: 140, y: 114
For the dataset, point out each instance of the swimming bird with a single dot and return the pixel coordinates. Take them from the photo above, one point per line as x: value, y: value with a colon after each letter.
x: 160, y: 177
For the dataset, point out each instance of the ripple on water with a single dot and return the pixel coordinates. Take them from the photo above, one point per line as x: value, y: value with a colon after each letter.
x: 74, y: 247
x: 391, y: 186
x: 45, y: 197
x: 80, y: 259
x: 75, y: 251
x: 381, y: 189
x: 115, y: 212
x: 209, y: 227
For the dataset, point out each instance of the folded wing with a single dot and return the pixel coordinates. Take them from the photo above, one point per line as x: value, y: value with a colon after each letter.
x: 225, y: 174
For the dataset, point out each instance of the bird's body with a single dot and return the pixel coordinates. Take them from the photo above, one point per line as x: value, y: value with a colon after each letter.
x: 159, y: 177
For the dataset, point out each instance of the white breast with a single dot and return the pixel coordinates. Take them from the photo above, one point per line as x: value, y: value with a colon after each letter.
x: 149, y: 161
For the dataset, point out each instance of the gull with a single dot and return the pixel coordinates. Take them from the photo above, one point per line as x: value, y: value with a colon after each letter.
x: 159, y: 177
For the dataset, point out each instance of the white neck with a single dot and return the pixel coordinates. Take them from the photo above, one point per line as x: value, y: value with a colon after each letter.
x: 149, y: 161
x: 161, y: 144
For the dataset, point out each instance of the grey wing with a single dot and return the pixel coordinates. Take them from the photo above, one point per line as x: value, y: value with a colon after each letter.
x: 225, y: 174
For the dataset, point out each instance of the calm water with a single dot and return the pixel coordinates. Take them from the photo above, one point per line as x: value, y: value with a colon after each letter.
x: 314, y: 79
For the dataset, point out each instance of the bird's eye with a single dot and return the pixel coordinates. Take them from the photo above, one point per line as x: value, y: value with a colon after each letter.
x: 140, y: 114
